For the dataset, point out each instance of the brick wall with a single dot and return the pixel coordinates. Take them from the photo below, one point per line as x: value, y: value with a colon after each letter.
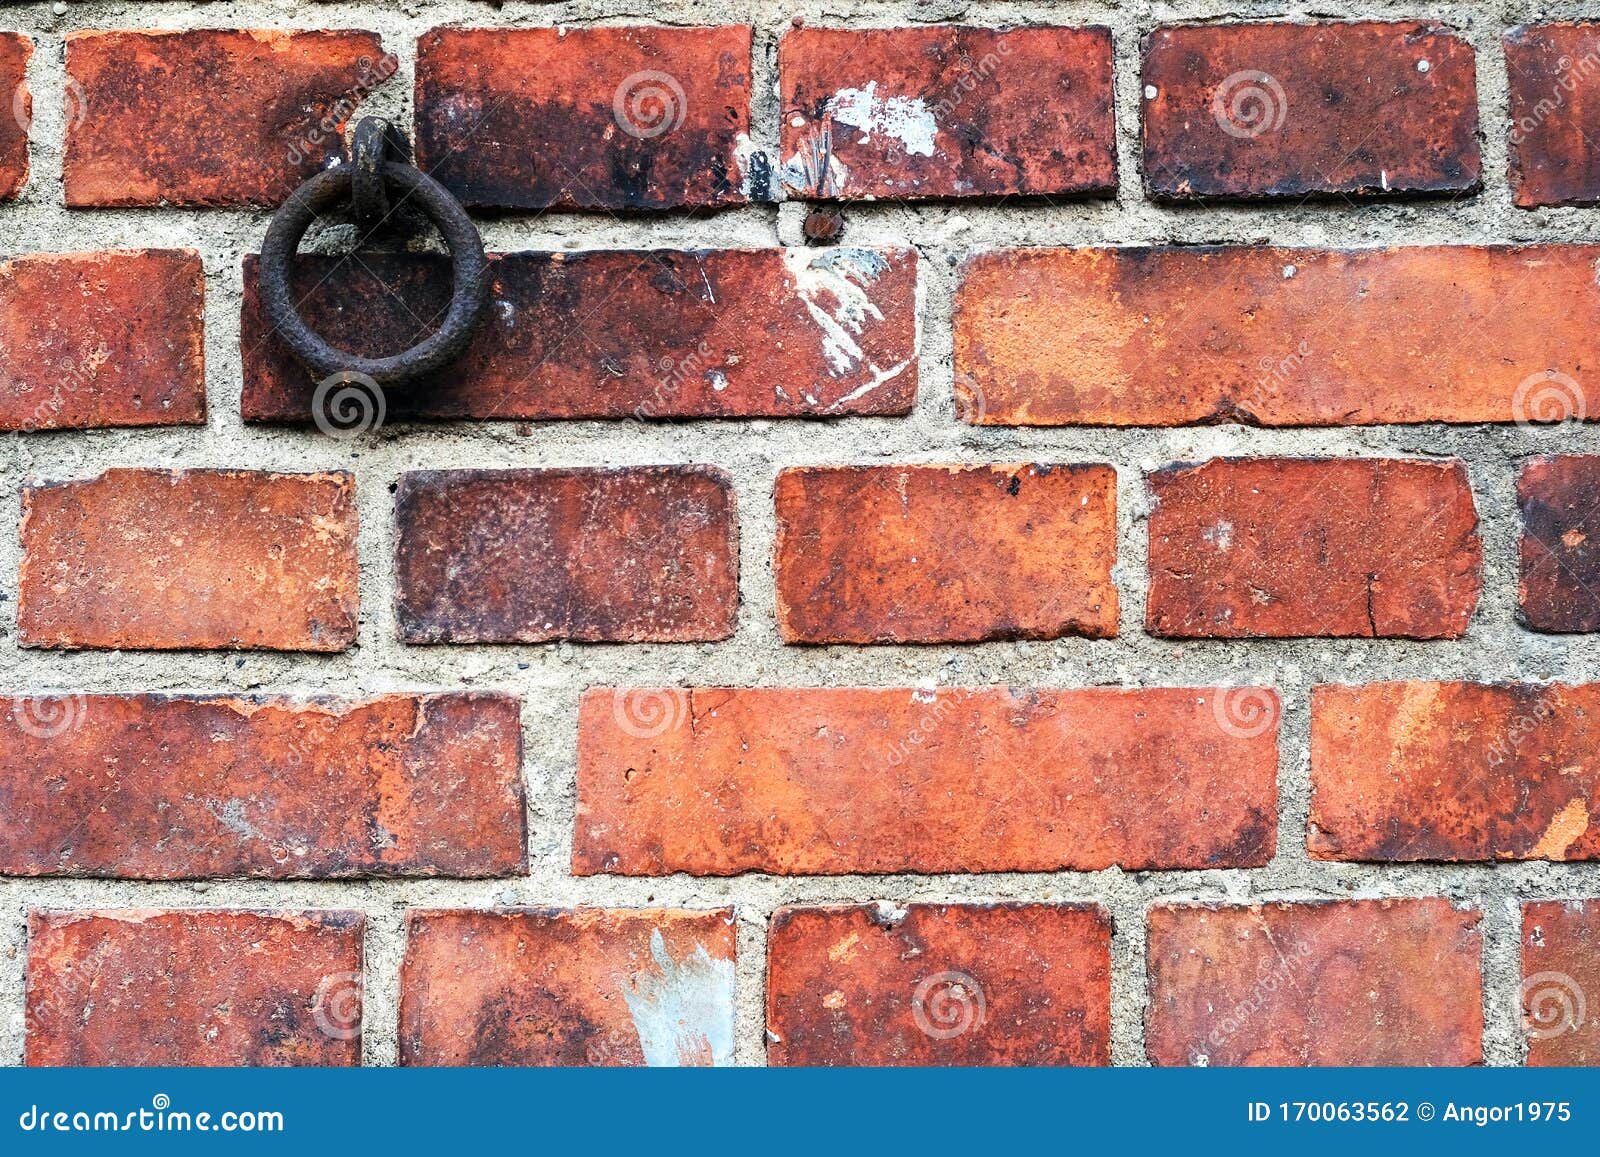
x: 1128, y: 600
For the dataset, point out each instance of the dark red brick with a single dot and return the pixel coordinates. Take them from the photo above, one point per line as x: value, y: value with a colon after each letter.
x: 927, y: 554
x: 203, y: 559
x: 1286, y: 547
x: 1366, y: 982
x: 16, y: 112
x: 636, y: 117
x: 1174, y: 336
x: 638, y: 554
x: 210, y: 117
x: 586, y: 986
x: 1559, y: 587
x: 1455, y: 771
x: 102, y: 339
x: 146, y: 987
x: 937, y: 984
x: 946, y: 111
x: 151, y: 787
x: 1561, y: 982
x: 709, y: 333
x: 1275, y: 110
x: 793, y: 781
x: 1554, y: 70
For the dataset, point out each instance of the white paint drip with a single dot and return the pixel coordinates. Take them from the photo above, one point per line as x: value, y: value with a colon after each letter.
x: 839, y: 276
x: 684, y: 1012
x: 906, y: 118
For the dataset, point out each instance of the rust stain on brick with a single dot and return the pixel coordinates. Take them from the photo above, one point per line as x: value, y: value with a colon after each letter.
x: 1554, y: 74
x: 1422, y: 771
x: 1304, y: 547
x: 203, y: 559
x: 1275, y: 110
x: 706, y: 333
x: 1173, y: 336
x: 1561, y: 982
x: 148, y: 987
x: 637, y: 554
x: 914, y: 113
x: 1559, y: 575
x: 719, y: 781
x: 589, y: 118
x: 936, y: 984
x: 925, y: 554
x: 210, y: 117
x: 151, y: 787
x: 15, y: 52
x: 102, y: 339
x: 584, y: 986
x: 1367, y: 982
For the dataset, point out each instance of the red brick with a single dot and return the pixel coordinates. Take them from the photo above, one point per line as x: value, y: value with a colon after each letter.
x: 709, y: 333
x: 937, y: 984
x: 15, y: 51
x: 1455, y: 771
x: 721, y: 781
x: 638, y: 554
x: 1275, y: 110
x: 1286, y: 547
x: 1559, y: 587
x: 151, y: 787
x: 1561, y: 982
x: 1554, y: 70
x: 584, y: 986
x: 928, y: 554
x: 636, y: 117
x: 210, y: 117
x: 913, y: 113
x: 102, y: 339
x: 1278, y: 337
x: 147, y: 987
x: 1366, y: 982
x: 203, y: 559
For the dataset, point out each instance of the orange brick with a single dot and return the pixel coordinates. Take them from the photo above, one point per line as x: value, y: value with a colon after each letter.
x: 1561, y: 982
x: 15, y: 51
x: 1554, y: 75
x: 937, y: 984
x: 830, y: 781
x: 928, y: 554
x: 203, y: 559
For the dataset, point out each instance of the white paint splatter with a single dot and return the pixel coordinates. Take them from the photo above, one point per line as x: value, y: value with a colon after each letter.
x: 906, y: 118
x: 683, y: 1013
x: 842, y: 276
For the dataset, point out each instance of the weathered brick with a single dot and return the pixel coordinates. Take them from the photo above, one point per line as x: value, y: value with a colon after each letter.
x: 15, y: 51
x: 1275, y: 110
x: 720, y: 781
x: 1561, y: 982
x: 637, y: 117
x: 1366, y: 982
x: 708, y: 333
x: 927, y: 554
x: 210, y: 117
x: 1455, y: 771
x: 102, y: 339
x: 947, y: 111
x: 191, y: 987
x: 939, y: 984
x: 1286, y: 547
x: 1278, y: 337
x: 1559, y: 584
x: 637, y: 554
x: 1554, y: 70
x: 152, y: 787
x: 159, y: 559
x: 584, y: 986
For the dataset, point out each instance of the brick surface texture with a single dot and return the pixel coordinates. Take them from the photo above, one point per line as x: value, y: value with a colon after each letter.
x: 966, y: 535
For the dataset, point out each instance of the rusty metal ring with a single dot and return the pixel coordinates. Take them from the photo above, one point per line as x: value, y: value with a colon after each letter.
x: 376, y: 141
x: 469, y: 267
